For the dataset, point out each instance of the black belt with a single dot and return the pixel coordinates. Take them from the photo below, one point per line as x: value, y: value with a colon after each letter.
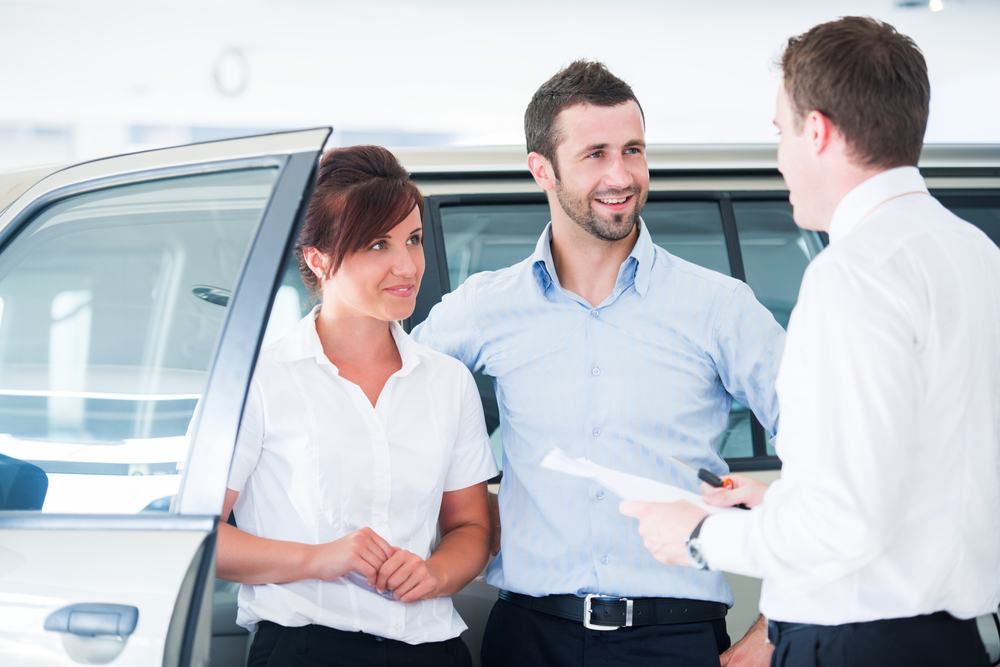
x: 606, y: 612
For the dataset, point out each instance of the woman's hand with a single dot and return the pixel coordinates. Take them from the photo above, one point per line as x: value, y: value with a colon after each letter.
x: 362, y: 551
x: 745, y: 490
x: 409, y: 578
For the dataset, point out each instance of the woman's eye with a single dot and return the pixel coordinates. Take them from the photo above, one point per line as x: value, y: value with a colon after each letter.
x: 415, y: 240
x: 378, y: 246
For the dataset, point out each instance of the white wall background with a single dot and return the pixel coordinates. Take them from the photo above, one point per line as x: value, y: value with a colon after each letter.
x: 82, y: 79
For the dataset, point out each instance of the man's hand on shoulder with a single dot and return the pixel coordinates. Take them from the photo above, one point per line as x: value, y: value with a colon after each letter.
x: 751, y: 651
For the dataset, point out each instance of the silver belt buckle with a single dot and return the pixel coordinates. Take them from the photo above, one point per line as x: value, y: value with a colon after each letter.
x: 588, y: 610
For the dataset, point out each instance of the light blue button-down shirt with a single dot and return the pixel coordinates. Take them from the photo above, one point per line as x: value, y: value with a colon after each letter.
x: 648, y: 374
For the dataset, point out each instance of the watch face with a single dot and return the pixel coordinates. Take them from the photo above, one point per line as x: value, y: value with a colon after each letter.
x: 695, y: 556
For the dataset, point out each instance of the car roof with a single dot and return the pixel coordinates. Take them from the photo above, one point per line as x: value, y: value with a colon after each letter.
x: 669, y: 157
x: 485, y: 162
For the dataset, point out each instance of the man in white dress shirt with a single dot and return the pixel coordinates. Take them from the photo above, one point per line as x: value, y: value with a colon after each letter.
x: 881, y: 542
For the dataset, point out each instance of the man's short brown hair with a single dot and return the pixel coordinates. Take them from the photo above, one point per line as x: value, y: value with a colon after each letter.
x: 869, y: 80
x: 580, y: 82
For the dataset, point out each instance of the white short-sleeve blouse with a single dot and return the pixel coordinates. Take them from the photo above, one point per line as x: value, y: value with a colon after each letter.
x: 315, y: 461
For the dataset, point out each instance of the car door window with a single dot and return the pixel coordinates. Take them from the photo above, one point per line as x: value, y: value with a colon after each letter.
x: 691, y: 230
x: 113, y: 302
x: 489, y: 237
x: 775, y: 254
x: 983, y: 212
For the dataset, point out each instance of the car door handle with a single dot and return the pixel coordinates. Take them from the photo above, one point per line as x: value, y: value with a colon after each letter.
x: 92, y: 619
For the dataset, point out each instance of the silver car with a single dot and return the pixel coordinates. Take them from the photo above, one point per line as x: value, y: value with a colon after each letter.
x: 135, y: 292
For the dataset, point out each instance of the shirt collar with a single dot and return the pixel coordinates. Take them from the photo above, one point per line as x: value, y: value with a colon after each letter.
x: 636, y: 268
x: 869, y: 195
x: 302, y: 342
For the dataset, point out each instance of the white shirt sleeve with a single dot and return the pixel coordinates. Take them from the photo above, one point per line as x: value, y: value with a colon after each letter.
x: 471, y: 456
x: 249, y: 439
x: 848, y: 386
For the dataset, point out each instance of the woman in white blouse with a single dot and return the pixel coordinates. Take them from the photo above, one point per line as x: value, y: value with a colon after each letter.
x: 357, y: 444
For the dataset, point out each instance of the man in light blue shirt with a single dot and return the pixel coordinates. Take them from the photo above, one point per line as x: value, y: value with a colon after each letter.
x: 611, y: 348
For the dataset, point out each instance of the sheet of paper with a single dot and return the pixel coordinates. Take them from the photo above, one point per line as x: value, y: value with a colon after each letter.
x: 628, y: 487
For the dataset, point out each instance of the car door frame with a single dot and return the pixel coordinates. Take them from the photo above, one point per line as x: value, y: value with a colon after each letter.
x: 215, y: 425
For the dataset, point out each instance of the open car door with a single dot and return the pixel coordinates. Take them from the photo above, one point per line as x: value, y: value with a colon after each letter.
x: 134, y: 292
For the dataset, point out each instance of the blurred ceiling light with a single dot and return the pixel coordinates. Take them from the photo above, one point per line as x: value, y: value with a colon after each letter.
x: 231, y: 72
x: 935, y: 5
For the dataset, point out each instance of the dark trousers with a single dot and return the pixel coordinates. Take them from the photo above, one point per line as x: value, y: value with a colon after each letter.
x: 320, y: 646
x: 934, y: 640
x: 516, y: 636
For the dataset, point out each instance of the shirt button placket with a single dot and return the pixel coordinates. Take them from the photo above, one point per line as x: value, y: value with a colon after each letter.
x: 380, y: 510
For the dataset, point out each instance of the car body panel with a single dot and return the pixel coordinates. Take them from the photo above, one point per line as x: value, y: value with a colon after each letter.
x: 38, y: 579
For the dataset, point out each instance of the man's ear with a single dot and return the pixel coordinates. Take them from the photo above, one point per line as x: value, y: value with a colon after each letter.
x: 542, y: 170
x: 822, y: 131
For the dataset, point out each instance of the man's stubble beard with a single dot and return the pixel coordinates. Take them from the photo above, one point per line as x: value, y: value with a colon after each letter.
x: 582, y: 213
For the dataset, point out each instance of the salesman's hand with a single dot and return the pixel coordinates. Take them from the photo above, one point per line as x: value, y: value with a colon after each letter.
x: 409, y: 578
x: 751, y: 651
x: 665, y: 527
x: 362, y: 551
x: 745, y: 490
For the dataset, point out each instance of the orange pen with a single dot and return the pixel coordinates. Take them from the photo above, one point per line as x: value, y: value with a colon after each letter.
x: 707, y: 476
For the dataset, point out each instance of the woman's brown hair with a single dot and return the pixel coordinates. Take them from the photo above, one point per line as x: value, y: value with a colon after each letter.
x: 362, y: 192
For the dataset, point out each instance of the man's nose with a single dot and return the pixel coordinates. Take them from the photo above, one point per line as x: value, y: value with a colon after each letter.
x: 618, y: 176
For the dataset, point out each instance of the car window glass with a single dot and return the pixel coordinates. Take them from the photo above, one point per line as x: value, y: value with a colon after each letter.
x: 113, y: 302
x: 776, y: 253
x: 983, y: 212
x: 691, y: 230
x: 291, y: 302
x: 490, y: 236
x: 487, y: 237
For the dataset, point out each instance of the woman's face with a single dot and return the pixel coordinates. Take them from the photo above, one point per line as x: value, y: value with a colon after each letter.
x: 382, y: 280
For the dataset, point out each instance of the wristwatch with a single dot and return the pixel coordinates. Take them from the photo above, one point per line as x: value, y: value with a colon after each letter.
x: 693, y: 547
